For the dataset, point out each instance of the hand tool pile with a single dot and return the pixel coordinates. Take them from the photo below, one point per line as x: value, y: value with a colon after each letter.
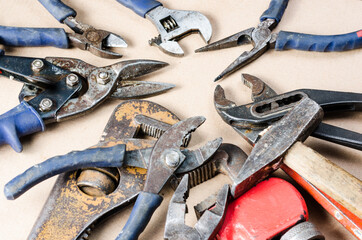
x: 145, y: 149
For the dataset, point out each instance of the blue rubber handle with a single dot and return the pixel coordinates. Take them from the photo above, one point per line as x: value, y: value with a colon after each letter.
x: 326, y: 43
x: 58, y: 9
x: 94, y: 157
x: 141, y: 7
x: 19, y: 121
x: 33, y: 37
x: 275, y: 11
x: 145, y: 206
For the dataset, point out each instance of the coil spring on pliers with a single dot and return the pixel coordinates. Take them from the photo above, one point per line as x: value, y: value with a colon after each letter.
x: 169, y: 24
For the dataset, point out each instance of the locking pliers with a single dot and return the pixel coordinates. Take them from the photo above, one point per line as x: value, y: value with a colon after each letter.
x: 85, y: 37
x: 57, y: 89
x: 262, y: 39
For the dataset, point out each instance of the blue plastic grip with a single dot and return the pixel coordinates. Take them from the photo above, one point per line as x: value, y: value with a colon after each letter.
x: 19, y: 121
x: 142, y: 211
x: 33, y: 37
x: 319, y: 43
x: 58, y: 9
x: 275, y: 11
x: 141, y: 7
x: 94, y: 157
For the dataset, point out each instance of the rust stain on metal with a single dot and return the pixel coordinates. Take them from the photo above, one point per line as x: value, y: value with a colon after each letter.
x: 68, y: 211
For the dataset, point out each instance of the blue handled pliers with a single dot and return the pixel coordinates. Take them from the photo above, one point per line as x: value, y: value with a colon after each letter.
x: 57, y: 89
x: 262, y: 39
x: 84, y: 37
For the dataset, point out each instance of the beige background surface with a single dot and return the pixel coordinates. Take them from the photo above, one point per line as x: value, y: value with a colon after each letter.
x: 193, y: 75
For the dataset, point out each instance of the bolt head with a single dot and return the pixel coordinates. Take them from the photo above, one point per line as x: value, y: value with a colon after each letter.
x: 103, y: 78
x: 37, y: 65
x: 72, y: 80
x: 172, y: 158
x: 45, y: 105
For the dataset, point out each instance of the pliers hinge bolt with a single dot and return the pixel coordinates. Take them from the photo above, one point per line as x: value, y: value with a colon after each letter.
x: 103, y: 78
x: 37, y: 65
x: 72, y: 80
x: 45, y: 105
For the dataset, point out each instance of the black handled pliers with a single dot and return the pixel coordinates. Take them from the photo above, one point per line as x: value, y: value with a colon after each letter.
x: 268, y: 107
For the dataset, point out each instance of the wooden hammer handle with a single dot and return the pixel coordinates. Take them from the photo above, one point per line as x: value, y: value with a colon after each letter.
x: 326, y: 176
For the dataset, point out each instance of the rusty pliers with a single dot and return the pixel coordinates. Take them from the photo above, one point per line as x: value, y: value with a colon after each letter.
x: 57, y: 89
x: 262, y: 39
x: 85, y: 37
x: 165, y: 159
x: 207, y: 226
x: 249, y: 120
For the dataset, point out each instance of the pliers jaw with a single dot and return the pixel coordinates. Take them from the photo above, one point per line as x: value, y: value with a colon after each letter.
x: 222, y: 106
x: 206, y: 227
x: 260, y: 37
x: 94, y: 40
x: 231, y: 113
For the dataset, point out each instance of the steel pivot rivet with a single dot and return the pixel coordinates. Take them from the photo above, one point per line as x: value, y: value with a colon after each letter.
x: 45, y: 105
x: 103, y: 78
x: 172, y: 158
x: 37, y: 65
x: 72, y: 80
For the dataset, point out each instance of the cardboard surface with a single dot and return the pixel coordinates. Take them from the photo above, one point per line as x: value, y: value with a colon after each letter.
x: 193, y: 74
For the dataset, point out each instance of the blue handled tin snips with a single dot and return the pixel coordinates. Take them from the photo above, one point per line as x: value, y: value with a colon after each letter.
x: 57, y: 89
x: 172, y: 25
x: 262, y: 39
x: 85, y: 37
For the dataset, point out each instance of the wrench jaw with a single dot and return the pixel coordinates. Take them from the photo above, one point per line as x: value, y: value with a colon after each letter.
x: 174, y: 25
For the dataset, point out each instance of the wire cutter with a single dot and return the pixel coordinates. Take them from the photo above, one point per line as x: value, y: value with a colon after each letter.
x: 262, y: 39
x: 172, y: 25
x: 85, y: 37
x: 251, y: 119
x: 57, y: 89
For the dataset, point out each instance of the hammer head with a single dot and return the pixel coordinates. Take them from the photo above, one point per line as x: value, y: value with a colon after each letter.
x: 173, y: 25
x: 267, y: 153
